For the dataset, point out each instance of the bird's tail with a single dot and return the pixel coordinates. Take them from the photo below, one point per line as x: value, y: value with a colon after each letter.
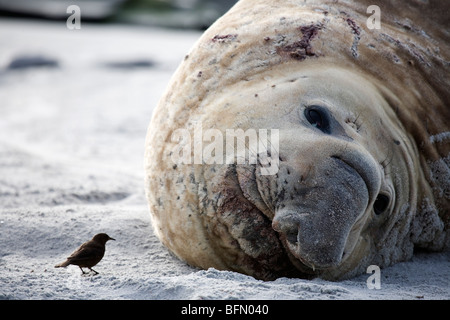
x: 62, y: 264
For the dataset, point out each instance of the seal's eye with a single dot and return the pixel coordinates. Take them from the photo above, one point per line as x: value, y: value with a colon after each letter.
x: 381, y: 204
x: 318, y: 118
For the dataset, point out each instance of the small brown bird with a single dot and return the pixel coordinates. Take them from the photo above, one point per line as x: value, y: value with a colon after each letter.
x: 88, y: 254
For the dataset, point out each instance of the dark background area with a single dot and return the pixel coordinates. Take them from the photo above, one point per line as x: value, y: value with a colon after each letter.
x: 192, y: 14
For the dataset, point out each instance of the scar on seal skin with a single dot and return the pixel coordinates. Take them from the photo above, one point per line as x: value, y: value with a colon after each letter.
x: 301, y: 49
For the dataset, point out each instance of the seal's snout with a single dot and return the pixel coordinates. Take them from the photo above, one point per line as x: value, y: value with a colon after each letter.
x: 322, y: 202
x: 313, y: 249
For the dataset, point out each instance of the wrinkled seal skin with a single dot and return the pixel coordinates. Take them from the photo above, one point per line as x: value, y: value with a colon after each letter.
x: 368, y: 186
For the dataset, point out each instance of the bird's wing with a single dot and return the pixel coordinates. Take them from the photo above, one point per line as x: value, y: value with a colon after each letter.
x: 85, y: 252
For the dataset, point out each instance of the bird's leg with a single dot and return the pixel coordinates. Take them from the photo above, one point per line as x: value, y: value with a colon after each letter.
x: 82, y: 270
x: 93, y: 270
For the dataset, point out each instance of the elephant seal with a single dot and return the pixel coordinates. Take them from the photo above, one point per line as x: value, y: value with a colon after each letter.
x: 354, y: 127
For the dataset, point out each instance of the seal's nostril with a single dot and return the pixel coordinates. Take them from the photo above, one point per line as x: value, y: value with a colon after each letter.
x: 381, y: 204
x: 292, y: 236
x: 288, y: 225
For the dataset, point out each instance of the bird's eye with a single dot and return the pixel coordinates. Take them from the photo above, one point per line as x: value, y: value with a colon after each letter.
x: 317, y: 118
x: 381, y: 204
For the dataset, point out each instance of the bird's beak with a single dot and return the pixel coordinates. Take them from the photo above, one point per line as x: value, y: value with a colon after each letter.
x: 111, y: 238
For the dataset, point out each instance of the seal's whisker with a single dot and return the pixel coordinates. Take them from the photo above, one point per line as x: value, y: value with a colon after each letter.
x: 358, y: 123
x: 386, y: 162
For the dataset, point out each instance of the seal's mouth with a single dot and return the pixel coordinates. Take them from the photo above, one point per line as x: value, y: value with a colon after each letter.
x: 294, y: 249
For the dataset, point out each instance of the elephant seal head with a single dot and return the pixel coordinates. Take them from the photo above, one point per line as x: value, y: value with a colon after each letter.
x: 335, y: 159
x: 347, y: 130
